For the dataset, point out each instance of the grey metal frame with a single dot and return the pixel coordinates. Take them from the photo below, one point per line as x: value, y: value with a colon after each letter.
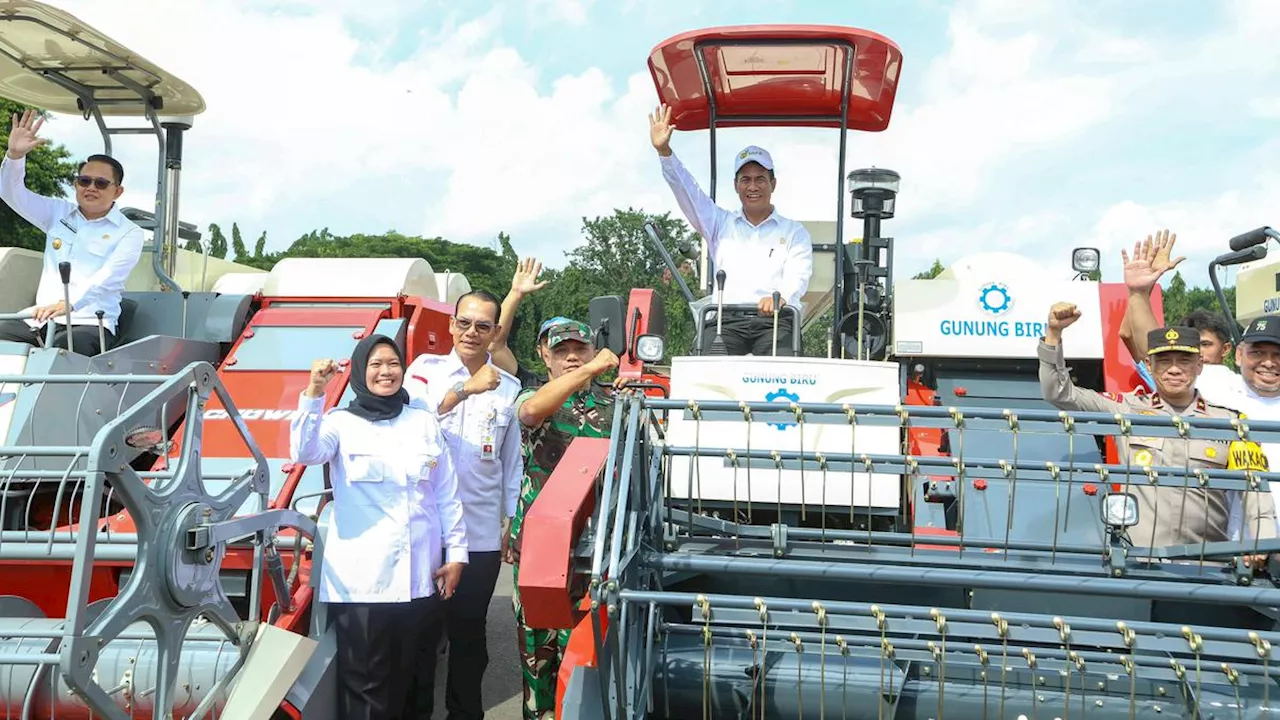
x: 819, y: 619
x: 714, y: 116
x: 797, y: 334
x: 165, y: 233
x: 182, y: 536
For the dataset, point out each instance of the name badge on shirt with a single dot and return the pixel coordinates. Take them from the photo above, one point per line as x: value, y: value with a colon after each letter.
x: 487, y: 449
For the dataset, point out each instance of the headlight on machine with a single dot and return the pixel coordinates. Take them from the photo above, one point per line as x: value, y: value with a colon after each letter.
x: 1119, y: 510
x: 650, y: 348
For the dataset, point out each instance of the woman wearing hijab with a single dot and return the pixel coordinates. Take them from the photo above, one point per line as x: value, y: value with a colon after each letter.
x: 395, y: 516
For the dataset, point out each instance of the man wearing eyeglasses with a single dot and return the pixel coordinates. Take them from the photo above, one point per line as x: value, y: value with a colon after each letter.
x: 92, y: 234
x: 475, y: 402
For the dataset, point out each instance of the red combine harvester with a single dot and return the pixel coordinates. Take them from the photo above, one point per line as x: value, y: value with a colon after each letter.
x: 158, y: 553
x: 157, y: 547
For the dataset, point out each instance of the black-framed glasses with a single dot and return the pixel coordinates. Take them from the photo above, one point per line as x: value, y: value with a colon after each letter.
x: 481, y: 326
x: 85, y: 181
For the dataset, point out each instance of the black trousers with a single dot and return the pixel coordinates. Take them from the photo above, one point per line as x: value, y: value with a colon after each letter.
x: 745, y: 333
x: 84, y: 338
x: 375, y: 655
x: 464, y: 620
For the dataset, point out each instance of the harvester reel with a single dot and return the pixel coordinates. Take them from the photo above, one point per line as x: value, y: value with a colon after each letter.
x: 173, y: 583
x: 175, y: 586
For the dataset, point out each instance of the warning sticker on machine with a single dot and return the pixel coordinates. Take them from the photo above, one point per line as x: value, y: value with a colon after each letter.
x: 1244, y: 455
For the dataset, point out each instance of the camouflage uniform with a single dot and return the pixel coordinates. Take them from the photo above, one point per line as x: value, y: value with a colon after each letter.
x: 587, y: 413
x: 1167, y: 515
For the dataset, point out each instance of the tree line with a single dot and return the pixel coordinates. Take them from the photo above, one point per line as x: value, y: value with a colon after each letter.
x: 614, y: 255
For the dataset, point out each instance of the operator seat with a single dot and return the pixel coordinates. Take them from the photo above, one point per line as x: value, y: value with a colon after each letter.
x: 127, y: 310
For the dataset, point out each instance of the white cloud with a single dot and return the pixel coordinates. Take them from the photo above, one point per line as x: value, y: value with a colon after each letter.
x: 310, y: 126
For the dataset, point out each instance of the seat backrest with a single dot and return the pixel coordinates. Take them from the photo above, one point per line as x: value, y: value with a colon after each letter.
x: 128, y: 308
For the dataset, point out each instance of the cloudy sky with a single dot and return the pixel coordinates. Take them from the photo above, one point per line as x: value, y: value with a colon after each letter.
x: 1028, y: 126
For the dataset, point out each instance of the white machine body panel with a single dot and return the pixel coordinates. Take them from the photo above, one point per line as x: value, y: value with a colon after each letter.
x: 991, y: 305
x: 782, y: 380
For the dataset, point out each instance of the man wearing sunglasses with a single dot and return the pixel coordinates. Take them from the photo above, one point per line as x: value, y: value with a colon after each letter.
x: 475, y: 402
x: 92, y: 234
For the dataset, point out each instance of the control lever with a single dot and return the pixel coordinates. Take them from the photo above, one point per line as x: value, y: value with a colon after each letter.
x: 185, y: 295
x: 64, y: 269
x: 102, y: 332
x: 777, y: 310
x: 717, y: 343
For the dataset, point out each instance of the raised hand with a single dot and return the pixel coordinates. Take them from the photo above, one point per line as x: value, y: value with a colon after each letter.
x: 1062, y: 315
x: 524, y: 280
x: 1163, y: 246
x: 321, y: 372
x: 603, y: 362
x: 22, y: 135
x: 1140, y: 273
x: 660, y: 127
x: 485, y: 379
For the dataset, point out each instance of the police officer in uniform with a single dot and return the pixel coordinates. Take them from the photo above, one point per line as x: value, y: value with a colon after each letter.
x: 1163, y: 517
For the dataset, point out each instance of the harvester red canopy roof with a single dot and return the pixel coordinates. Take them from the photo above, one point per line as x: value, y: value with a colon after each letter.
x: 777, y: 75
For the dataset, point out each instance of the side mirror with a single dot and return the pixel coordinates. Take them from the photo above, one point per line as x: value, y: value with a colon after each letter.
x: 606, y: 315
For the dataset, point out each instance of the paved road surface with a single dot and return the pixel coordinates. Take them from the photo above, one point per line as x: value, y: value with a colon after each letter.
x: 502, y: 688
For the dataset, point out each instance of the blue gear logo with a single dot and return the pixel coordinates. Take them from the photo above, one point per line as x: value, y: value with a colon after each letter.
x: 994, y: 298
x: 782, y: 394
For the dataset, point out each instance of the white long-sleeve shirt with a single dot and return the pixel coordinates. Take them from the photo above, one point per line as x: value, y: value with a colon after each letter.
x: 488, y: 477
x: 777, y: 254
x: 102, y: 252
x: 395, y: 502
x: 1219, y: 385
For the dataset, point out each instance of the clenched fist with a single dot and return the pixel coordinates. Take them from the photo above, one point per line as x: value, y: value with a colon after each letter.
x: 321, y: 372
x: 485, y: 379
x: 1062, y: 315
x: 603, y: 362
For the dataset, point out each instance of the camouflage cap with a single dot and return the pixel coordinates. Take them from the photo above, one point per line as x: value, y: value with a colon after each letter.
x: 558, y: 329
x: 1173, y: 339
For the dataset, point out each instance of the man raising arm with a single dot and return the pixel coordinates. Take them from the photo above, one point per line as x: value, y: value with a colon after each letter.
x: 92, y: 234
x: 524, y: 282
x: 759, y: 250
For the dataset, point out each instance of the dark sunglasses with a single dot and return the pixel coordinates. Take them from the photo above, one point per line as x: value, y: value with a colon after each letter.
x: 481, y: 327
x: 85, y: 181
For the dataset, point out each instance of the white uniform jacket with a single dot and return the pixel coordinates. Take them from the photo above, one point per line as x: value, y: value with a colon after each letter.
x: 483, y: 440
x: 777, y: 254
x: 395, y: 502
x: 102, y: 252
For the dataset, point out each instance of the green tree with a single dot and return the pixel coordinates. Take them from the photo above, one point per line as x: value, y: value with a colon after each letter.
x: 934, y: 271
x: 217, y: 242
x: 50, y: 171
x: 237, y: 245
x: 260, y: 246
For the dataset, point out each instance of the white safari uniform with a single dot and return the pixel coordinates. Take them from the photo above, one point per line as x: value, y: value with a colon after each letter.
x: 483, y: 440
x: 395, y: 502
x: 102, y: 252
x: 776, y: 255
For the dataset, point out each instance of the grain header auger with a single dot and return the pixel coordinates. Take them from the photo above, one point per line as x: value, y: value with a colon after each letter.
x: 157, y: 549
x: 905, y: 530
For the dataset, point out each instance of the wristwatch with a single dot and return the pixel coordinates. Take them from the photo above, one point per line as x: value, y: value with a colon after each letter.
x: 459, y: 390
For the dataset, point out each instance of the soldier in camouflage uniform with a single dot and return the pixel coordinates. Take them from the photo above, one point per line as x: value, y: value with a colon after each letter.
x: 567, y: 406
